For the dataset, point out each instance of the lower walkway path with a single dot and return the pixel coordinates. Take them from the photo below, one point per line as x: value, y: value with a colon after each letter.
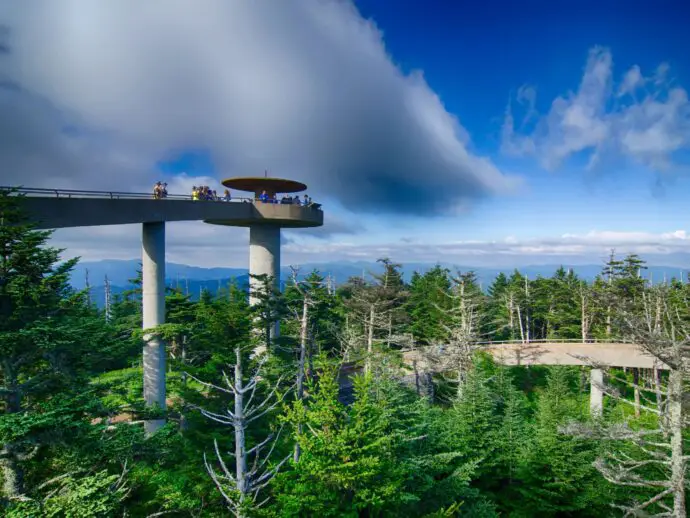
x: 600, y: 353
x: 596, y: 354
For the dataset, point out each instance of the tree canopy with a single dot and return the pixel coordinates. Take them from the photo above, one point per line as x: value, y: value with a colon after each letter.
x: 327, y: 420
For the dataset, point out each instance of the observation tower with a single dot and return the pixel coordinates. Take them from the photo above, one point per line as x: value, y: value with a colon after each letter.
x: 61, y: 208
x: 264, y: 231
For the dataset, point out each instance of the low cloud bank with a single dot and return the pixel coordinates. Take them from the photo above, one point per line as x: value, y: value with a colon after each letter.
x: 205, y: 245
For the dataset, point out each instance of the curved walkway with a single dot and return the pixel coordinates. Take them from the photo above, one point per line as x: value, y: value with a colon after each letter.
x: 56, y: 208
x: 597, y: 353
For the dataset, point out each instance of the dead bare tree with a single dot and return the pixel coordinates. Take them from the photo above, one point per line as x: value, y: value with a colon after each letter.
x: 303, y: 316
x: 610, y: 271
x: 371, y: 327
x: 516, y: 301
x: 241, y: 489
x: 655, y: 460
x: 509, y: 301
x: 87, y: 286
x: 461, y: 324
x: 108, y: 300
x: 368, y: 320
x: 585, y: 299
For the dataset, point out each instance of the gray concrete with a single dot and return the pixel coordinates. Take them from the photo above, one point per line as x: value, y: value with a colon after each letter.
x: 63, y: 212
x: 153, y: 304
x: 597, y: 355
x: 553, y: 353
x: 596, y: 392
x: 264, y: 259
x: 588, y: 354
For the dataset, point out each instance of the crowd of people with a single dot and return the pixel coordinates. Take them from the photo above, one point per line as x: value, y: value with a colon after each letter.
x: 160, y: 190
x: 204, y: 192
x: 285, y: 200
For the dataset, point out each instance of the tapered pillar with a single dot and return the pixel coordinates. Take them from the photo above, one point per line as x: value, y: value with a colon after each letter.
x: 153, y: 303
x: 264, y: 259
x: 596, y: 392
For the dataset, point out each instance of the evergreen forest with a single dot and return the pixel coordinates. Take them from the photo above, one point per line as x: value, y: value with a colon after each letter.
x: 326, y: 418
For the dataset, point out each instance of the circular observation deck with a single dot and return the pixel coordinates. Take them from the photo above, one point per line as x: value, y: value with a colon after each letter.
x: 259, y: 184
x: 285, y: 215
x: 278, y: 214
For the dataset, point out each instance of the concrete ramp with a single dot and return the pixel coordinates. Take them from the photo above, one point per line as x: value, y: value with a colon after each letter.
x: 74, y: 211
x: 608, y: 354
x: 553, y: 353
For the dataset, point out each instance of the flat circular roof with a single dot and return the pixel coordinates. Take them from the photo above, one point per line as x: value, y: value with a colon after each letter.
x: 260, y: 183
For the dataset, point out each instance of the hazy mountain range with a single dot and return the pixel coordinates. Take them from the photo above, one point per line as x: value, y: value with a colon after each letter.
x: 194, y: 279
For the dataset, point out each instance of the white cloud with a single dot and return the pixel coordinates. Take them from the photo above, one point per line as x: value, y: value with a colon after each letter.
x: 192, y: 243
x: 184, y: 182
x: 96, y: 92
x: 648, y: 121
x: 590, y: 246
x: 631, y: 81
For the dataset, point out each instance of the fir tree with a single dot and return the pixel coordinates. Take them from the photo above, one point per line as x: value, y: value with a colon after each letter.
x: 427, y: 303
x: 47, y: 339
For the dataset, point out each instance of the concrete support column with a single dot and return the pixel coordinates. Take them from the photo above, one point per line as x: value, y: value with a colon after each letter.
x: 153, y: 303
x: 264, y: 259
x: 596, y: 392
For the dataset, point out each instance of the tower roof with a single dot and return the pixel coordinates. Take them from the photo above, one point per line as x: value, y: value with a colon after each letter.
x: 257, y: 184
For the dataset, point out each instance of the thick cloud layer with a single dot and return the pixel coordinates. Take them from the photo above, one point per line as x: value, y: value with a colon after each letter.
x: 96, y: 92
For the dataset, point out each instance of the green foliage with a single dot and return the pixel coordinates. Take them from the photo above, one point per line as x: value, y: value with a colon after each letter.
x: 450, y: 511
x: 92, y: 496
x: 40, y: 318
x: 270, y: 306
x: 347, y: 463
x: 71, y: 444
x: 325, y: 312
x: 428, y: 300
x: 557, y: 472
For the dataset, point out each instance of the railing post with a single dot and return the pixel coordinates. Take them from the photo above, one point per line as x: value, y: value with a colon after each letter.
x: 596, y: 392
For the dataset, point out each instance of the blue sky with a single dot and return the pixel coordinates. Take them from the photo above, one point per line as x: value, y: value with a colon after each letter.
x: 475, y: 54
x: 516, y: 133
x: 476, y: 58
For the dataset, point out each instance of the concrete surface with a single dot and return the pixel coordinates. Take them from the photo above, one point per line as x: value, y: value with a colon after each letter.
x: 264, y: 259
x: 51, y: 212
x: 554, y: 353
x: 153, y: 306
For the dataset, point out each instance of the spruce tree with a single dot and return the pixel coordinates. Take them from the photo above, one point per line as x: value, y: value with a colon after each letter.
x: 48, y: 339
x: 427, y: 304
x: 557, y: 473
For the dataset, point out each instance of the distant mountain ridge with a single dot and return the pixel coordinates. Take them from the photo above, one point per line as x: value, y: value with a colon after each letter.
x: 194, y: 279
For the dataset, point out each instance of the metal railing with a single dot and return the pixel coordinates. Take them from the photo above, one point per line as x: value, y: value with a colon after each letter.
x: 75, y: 193
x: 558, y: 341
x: 118, y: 195
x: 577, y: 341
